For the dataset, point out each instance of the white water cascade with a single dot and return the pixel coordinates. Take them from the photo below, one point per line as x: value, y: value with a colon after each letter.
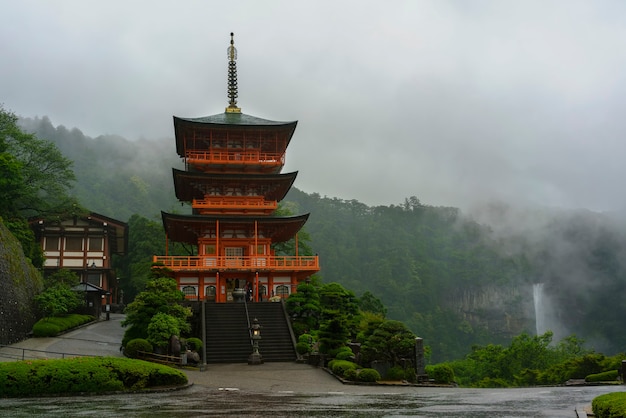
x: 540, y: 312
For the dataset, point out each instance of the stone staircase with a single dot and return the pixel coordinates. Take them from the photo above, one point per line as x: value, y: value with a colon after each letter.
x: 228, y: 337
x: 276, y: 343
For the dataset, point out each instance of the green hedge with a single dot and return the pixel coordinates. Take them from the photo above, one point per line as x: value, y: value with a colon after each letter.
x: 609, y: 376
x: 368, y: 375
x: 195, y: 344
x: 339, y: 367
x: 84, y: 374
x: 611, y: 405
x: 441, y: 373
x: 134, y: 346
x: 54, y: 325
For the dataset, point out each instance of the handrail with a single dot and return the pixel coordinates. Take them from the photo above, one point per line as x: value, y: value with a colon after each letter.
x: 236, y: 202
x: 209, y: 262
x: 245, y: 301
x: 235, y: 157
x: 45, y: 354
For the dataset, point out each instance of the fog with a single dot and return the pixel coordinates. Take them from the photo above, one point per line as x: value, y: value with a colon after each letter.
x: 454, y: 102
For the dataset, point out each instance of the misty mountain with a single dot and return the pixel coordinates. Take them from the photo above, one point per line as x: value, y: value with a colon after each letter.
x: 456, y: 279
x: 116, y: 177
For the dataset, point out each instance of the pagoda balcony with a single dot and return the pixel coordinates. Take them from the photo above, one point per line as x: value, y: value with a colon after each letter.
x: 235, y: 157
x: 245, y: 204
x: 232, y: 263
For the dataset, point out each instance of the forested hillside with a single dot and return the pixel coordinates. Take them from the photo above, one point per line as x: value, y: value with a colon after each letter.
x: 116, y: 177
x: 456, y: 279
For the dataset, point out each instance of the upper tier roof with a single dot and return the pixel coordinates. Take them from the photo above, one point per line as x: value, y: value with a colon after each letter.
x: 191, y: 133
x: 228, y: 118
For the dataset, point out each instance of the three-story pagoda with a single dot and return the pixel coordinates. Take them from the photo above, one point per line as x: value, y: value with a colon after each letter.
x: 233, y: 180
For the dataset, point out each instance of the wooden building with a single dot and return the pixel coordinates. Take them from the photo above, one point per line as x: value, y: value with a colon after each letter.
x: 233, y: 180
x: 85, y: 246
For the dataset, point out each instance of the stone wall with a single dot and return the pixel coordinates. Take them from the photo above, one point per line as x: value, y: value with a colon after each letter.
x: 19, y: 282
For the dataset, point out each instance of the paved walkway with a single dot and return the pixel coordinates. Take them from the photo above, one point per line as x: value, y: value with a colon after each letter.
x: 103, y: 338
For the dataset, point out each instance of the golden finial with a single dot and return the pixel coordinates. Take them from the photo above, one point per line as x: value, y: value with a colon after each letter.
x: 232, y: 77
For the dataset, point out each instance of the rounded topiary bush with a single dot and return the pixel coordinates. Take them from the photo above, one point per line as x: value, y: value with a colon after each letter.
x: 345, y: 355
x: 339, y: 367
x: 609, y: 376
x: 441, y: 373
x: 337, y: 352
x: 302, y: 348
x: 368, y: 375
x: 351, y: 374
x: 133, y: 347
x: 194, y: 344
x: 45, y: 329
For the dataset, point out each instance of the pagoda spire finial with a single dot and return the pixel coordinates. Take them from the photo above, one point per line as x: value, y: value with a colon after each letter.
x: 232, y: 77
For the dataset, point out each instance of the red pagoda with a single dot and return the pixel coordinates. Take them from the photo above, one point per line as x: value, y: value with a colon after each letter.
x: 233, y: 180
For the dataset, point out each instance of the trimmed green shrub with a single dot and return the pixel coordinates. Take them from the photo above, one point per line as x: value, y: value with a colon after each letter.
x: 161, y: 327
x: 44, y: 329
x: 441, y: 373
x: 609, y: 376
x: 84, y: 374
x: 194, y: 344
x: 302, y: 348
x: 305, y: 338
x: 395, y: 373
x: 611, y: 405
x: 54, y: 325
x: 339, y: 367
x: 345, y: 355
x: 134, y: 346
x: 351, y: 374
x: 410, y: 375
x: 368, y: 375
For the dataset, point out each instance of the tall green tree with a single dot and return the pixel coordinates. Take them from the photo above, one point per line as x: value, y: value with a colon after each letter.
x: 35, y: 180
x: 339, y: 316
x: 391, y: 341
x: 304, y: 307
x: 160, y: 296
x: 58, y: 297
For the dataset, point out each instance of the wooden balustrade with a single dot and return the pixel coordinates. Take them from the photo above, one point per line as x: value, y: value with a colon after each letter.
x: 246, y: 203
x: 199, y: 263
x: 234, y: 157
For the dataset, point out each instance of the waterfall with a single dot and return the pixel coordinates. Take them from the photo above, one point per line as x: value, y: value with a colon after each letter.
x: 540, y: 313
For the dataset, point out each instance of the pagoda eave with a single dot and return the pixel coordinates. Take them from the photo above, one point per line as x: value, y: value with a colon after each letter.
x: 195, y: 185
x: 188, y: 228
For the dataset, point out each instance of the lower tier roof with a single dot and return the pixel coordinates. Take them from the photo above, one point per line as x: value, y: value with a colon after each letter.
x: 190, y: 228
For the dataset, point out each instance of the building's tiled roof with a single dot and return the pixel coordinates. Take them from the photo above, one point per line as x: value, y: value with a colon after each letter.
x: 187, y: 228
x: 189, y: 185
x: 227, y: 118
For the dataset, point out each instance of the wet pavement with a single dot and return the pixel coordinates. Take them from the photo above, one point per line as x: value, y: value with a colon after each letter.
x: 279, y: 390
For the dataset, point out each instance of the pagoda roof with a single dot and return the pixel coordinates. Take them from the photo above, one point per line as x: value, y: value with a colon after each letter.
x: 188, y: 228
x: 185, y: 129
x: 191, y: 185
x: 233, y: 119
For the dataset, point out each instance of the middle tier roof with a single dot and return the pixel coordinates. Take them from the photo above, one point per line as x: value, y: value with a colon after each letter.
x: 191, y: 185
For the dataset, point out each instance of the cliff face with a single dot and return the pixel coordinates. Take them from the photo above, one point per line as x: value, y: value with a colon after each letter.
x: 504, y: 311
x: 19, y: 282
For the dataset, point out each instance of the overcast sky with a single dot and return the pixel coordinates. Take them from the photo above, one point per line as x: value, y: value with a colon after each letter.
x: 451, y: 101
